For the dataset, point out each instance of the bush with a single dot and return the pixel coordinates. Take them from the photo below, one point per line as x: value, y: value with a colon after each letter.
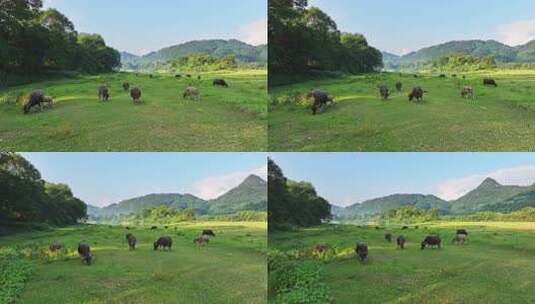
x: 15, y: 271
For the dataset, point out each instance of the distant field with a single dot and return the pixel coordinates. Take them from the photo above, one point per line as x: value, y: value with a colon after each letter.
x: 495, y: 266
x: 226, y: 119
x: 231, y: 269
x: 498, y: 119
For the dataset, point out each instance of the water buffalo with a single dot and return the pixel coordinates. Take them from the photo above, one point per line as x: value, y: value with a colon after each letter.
x: 417, y: 93
x: 131, y: 241
x: 103, y: 93
x: 154, y: 227
x: 199, y: 77
x: 442, y: 76
x: 209, y: 232
x: 178, y: 76
x: 151, y: 76
x: 362, y: 251
x: 191, y: 93
x: 85, y: 252
x: 320, y: 99
x: 454, y: 75
x: 400, y: 240
x: 220, y: 82
x: 36, y: 98
x: 321, y: 248
x: 489, y: 82
x: 399, y: 86
x: 404, y: 227
x: 384, y: 92
x: 55, y: 247
x: 467, y: 92
x: 202, y: 240
x: 163, y: 242
x: 462, y: 231
x: 135, y: 93
x: 459, y: 239
x: 126, y: 86
x: 188, y: 75
x: 388, y: 236
x: 431, y: 240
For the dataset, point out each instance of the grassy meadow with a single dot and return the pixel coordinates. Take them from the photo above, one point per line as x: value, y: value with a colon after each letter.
x: 230, y: 269
x: 494, y: 266
x: 226, y: 119
x: 497, y: 119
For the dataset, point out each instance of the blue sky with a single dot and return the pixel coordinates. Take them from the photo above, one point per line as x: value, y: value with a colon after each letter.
x: 140, y: 26
x: 402, y: 26
x: 104, y: 178
x: 347, y: 178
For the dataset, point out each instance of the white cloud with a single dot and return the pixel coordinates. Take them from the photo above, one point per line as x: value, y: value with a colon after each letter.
x: 254, y: 33
x: 518, y: 32
x: 213, y: 186
x: 455, y: 188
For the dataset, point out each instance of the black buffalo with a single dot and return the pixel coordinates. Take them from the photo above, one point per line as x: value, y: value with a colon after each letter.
x: 462, y: 231
x: 362, y: 251
x: 489, y: 82
x: 209, y: 232
x: 36, y: 98
x: 85, y: 252
x: 388, y: 237
x: 432, y: 241
x: 399, y: 85
x: 135, y: 93
x: 126, y: 86
x: 400, y: 240
x: 404, y: 227
x: 442, y: 76
x: 163, y: 242
x: 384, y: 92
x: 154, y: 227
x: 55, y: 246
x: 178, y: 76
x: 417, y: 93
x: 103, y: 93
x: 220, y: 82
x: 131, y: 241
x: 320, y: 99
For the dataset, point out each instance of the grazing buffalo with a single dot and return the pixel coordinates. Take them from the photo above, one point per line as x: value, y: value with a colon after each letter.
x: 220, y: 82
x: 417, y: 93
x: 400, y: 240
x: 163, y: 242
x: 154, y: 227
x: 85, y: 252
x: 462, y: 231
x: 432, y: 241
x: 55, y: 247
x: 388, y: 236
x: 459, y: 239
x: 404, y: 227
x: 489, y: 82
x: 209, y: 232
x: 415, y: 76
x: 165, y: 227
x: 321, y: 248
x: 399, y: 86
x: 150, y: 76
x: 178, y: 76
x: 442, y: 76
x: 36, y: 98
x: 454, y: 75
x: 199, y: 77
x: 127, y: 228
x: 467, y: 92
x: 131, y: 241
x: 135, y: 93
x: 126, y: 86
x: 201, y: 240
x: 384, y: 92
x: 191, y: 93
x: 188, y: 75
x: 362, y: 251
x: 320, y: 99
x: 103, y: 93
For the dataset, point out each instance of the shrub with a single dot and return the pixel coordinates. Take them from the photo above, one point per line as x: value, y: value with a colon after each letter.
x: 15, y: 271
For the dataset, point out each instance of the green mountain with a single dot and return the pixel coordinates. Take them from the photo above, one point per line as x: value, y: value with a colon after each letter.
x: 490, y: 192
x: 526, y: 52
x: 251, y: 194
x: 244, y: 53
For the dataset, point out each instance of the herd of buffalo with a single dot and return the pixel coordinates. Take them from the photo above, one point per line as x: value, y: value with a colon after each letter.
x: 38, y: 97
x: 320, y: 98
x: 432, y: 241
x: 164, y: 242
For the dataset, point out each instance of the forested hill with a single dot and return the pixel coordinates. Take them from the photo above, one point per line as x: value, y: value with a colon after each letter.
x: 502, y: 53
x: 488, y: 196
x: 250, y: 195
x: 218, y: 48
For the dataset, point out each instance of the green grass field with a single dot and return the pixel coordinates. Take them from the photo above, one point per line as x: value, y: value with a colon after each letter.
x: 498, y: 119
x: 494, y: 266
x: 226, y: 119
x: 230, y: 269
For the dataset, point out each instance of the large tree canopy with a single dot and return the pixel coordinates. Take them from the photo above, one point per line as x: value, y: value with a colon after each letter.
x: 293, y: 203
x: 302, y: 39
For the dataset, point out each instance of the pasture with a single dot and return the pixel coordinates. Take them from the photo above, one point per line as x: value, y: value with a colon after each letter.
x: 230, y: 269
x: 494, y: 266
x: 497, y: 119
x: 225, y: 119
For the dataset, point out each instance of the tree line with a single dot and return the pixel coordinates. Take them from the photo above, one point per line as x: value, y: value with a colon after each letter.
x: 293, y: 203
x: 33, y: 40
x: 25, y: 197
x: 303, y: 39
